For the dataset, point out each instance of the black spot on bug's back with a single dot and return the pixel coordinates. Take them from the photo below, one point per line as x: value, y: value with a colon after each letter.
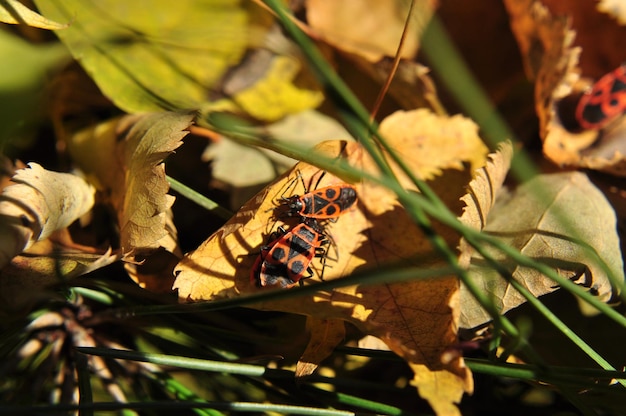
x: 331, y: 193
x: 618, y: 85
x: 297, y: 267
x: 331, y: 210
x: 299, y: 247
x: 274, y: 275
x: 306, y: 235
x: 278, y: 253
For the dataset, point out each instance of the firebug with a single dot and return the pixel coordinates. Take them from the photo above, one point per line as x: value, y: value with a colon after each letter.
x: 326, y: 203
x: 286, y: 260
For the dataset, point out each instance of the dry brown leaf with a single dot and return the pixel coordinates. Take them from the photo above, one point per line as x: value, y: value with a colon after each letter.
x: 557, y: 80
x: 597, y: 35
x: 131, y: 172
x: 143, y: 201
x: 553, y: 70
x: 412, y: 86
x: 533, y: 220
x: 39, y: 203
x: 369, y: 28
x: 326, y: 334
x: 417, y: 319
x: 533, y: 24
x: 481, y: 195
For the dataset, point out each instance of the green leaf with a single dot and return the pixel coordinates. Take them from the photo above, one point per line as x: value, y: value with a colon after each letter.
x: 156, y: 55
x: 24, y: 69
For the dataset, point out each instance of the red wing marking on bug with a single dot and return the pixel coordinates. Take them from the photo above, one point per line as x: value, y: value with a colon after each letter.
x: 604, y: 101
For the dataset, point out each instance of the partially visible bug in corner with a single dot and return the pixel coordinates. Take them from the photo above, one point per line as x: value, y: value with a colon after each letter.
x: 604, y: 101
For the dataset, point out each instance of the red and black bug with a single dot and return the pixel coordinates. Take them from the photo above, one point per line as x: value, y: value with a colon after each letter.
x: 286, y: 260
x: 604, y: 101
x: 326, y: 203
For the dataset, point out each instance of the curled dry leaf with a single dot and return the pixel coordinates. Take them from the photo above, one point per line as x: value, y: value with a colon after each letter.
x: 534, y: 220
x: 417, y: 319
x: 597, y: 34
x: 558, y: 87
x: 142, y: 200
x: 37, y: 204
x: 125, y: 156
x: 25, y: 279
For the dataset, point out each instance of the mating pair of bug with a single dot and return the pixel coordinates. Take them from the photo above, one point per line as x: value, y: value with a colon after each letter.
x: 285, y: 260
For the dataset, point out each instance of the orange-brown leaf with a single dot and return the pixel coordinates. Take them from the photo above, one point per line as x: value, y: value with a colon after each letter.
x: 326, y: 334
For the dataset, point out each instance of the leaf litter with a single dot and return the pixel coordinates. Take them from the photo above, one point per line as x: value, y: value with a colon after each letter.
x: 417, y: 319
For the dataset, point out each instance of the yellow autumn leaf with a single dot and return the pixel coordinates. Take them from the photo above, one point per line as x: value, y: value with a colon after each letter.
x: 273, y: 95
x: 433, y: 143
x: 162, y: 58
x: 14, y: 12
